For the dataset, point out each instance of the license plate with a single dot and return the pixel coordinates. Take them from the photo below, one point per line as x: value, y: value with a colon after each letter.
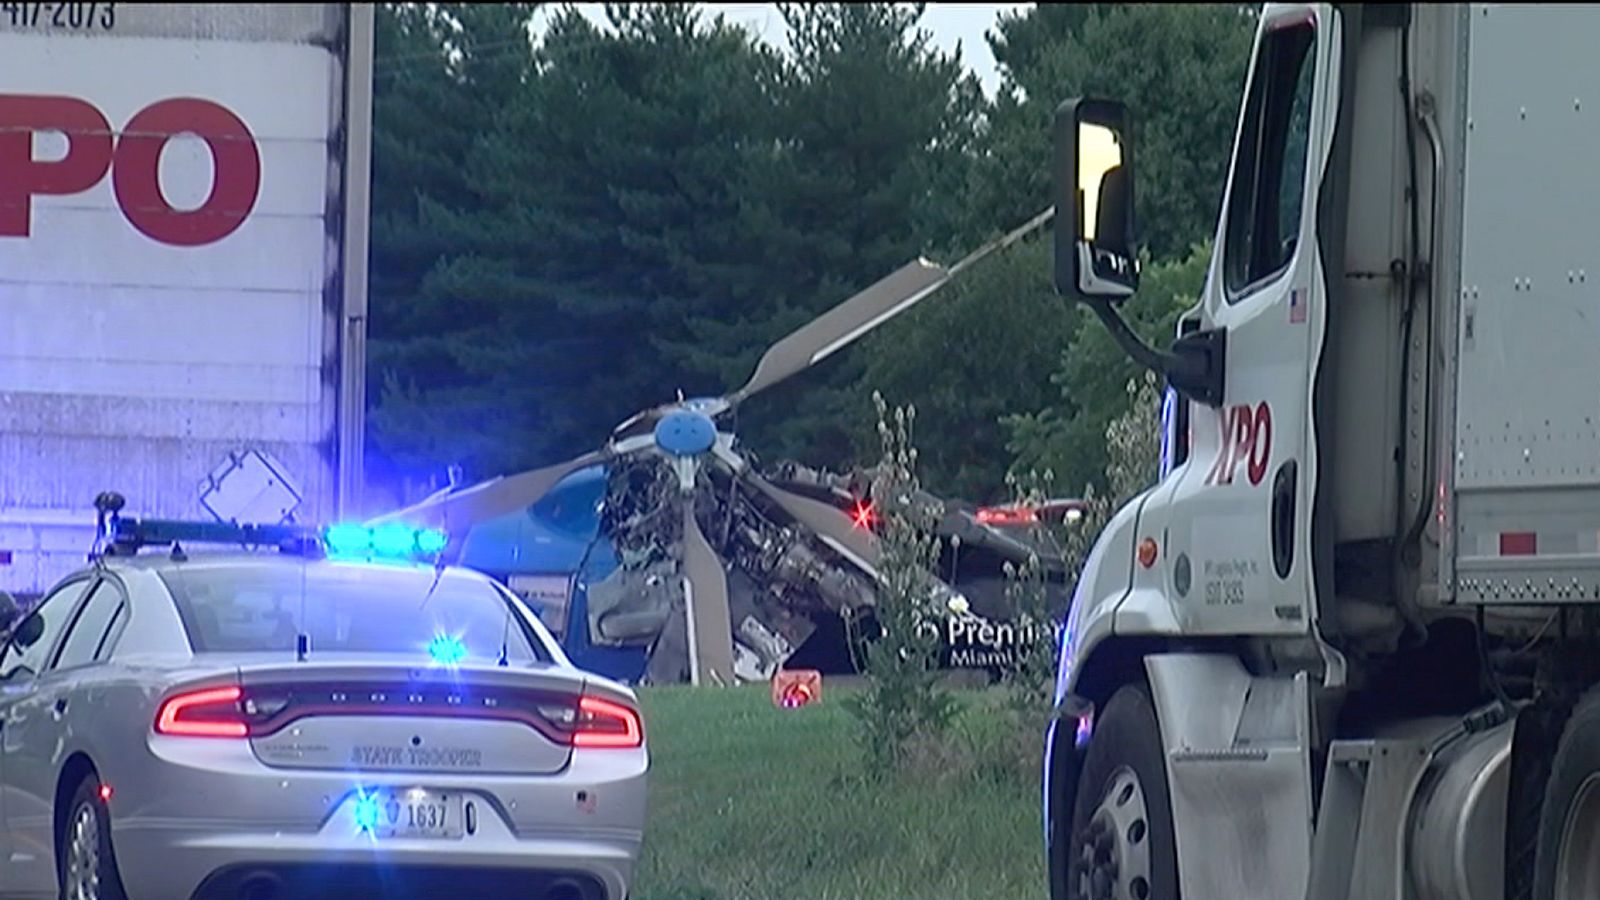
x: 411, y: 814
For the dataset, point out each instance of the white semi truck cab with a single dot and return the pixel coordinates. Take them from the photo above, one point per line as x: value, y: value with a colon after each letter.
x: 1347, y: 648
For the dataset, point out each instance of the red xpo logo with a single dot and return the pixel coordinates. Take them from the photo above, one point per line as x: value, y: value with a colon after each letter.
x: 1246, y: 438
x: 134, y: 161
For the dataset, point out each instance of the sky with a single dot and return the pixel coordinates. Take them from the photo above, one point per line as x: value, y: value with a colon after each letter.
x: 951, y: 24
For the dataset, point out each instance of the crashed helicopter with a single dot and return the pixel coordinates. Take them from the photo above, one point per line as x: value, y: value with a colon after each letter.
x: 671, y: 554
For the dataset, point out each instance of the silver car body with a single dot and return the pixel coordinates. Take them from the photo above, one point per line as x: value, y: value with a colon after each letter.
x: 198, y: 816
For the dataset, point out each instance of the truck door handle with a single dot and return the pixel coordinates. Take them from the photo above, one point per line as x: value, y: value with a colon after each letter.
x: 61, y: 706
x: 1283, y: 491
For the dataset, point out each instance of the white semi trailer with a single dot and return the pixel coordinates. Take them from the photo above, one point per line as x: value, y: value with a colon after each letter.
x: 1346, y: 648
x: 183, y: 257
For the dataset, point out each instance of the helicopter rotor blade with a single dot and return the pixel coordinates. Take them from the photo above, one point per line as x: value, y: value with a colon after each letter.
x: 840, y: 326
x: 705, y: 605
x: 490, y: 499
x: 846, y: 323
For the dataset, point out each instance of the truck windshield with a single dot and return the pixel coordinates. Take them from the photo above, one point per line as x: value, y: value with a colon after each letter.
x: 243, y: 607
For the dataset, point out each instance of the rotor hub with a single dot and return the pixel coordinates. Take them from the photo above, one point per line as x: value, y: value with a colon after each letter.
x: 684, y: 432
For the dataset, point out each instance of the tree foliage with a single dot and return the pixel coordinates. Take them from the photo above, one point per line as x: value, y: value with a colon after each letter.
x: 616, y: 210
x: 877, y: 127
x: 970, y: 357
x: 1067, y: 435
x: 435, y: 355
x: 1180, y: 69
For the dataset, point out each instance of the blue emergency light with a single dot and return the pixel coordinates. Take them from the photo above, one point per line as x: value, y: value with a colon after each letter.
x: 367, y: 812
x: 446, y: 650
x: 388, y: 541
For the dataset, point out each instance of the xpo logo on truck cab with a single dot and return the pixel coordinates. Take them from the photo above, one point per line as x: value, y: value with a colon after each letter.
x: 1247, y: 439
x: 133, y: 158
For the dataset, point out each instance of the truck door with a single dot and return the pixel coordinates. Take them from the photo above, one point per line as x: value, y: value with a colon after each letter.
x: 1233, y: 527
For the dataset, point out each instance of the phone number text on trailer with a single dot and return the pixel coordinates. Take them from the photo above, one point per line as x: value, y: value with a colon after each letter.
x: 80, y: 16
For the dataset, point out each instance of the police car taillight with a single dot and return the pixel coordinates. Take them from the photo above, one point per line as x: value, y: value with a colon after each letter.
x: 213, y: 712
x: 603, y: 724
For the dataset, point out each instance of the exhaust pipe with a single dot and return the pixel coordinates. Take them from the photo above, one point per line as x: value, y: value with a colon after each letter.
x: 261, y: 886
x: 566, y: 889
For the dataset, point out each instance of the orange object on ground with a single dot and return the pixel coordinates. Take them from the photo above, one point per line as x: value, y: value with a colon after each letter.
x: 796, y: 687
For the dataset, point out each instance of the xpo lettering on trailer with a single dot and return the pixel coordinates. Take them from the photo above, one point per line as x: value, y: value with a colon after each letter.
x: 133, y: 157
x: 183, y: 208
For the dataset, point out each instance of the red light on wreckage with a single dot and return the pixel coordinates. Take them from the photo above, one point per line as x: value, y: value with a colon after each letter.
x: 864, y: 516
x: 1007, y: 515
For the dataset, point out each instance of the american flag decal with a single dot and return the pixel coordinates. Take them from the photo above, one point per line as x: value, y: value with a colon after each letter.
x: 1297, y: 306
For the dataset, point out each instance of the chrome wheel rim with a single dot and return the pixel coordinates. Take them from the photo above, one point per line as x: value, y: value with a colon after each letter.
x: 83, y: 854
x: 1113, y: 851
x: 1578, y: 860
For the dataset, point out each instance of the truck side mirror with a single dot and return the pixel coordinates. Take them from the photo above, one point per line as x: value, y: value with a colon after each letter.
x: 1096, y: 253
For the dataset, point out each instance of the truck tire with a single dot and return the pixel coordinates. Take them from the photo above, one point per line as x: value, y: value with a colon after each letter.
x: 1567, y: 859
x: 1122, y: 843
x: 1538, y: 729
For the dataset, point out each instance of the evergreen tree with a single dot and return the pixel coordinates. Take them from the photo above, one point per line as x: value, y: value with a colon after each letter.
x: 439, y: 71
x: 1067, y: 435
x: 967, y: 358
x: 615, y: 222
x: 877, y: 128
x: 1180, y: 68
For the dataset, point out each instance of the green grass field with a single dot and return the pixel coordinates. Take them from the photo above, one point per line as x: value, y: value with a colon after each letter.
x: 751, y: 801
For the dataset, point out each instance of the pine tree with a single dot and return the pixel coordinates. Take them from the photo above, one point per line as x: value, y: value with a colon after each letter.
x: 1180, y: 69
x: 438, y: 72
x: 876, y: 132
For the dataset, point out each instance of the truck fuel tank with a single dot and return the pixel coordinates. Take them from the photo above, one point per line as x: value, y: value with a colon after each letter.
x: 1458, y: 827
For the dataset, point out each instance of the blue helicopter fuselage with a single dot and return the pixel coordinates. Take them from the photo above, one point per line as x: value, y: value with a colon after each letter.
x: 560, y: 536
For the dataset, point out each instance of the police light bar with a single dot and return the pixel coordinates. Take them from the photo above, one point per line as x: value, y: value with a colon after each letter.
x: 346, y: 541
x: 135, y: 533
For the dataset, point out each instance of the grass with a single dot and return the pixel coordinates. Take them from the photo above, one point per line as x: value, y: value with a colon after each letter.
x: 751, y: 801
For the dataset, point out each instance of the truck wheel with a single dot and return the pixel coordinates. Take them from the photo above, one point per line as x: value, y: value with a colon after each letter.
x: 1567, y: 862
x: 1122, y: 845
